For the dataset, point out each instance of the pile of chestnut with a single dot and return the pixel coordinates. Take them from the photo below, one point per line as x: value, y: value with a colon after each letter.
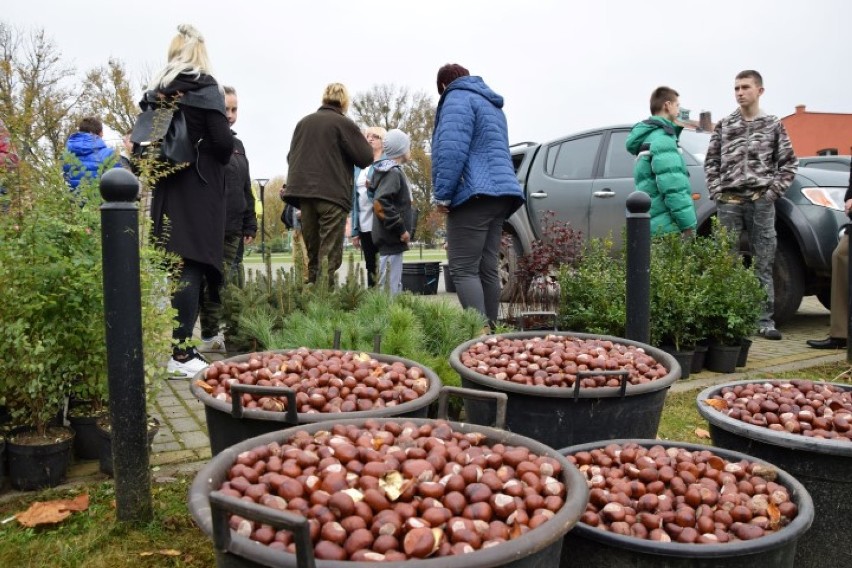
x: 676, y: 495
x: 816, y: 410
x: 396, y: 490
x: 324, y: 380
x: 555, y: 360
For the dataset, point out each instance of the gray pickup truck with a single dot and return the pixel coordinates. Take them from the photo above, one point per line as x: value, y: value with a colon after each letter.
x: 585, y: 179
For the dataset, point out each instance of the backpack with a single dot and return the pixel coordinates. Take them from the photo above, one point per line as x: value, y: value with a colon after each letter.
x: 162, y: 126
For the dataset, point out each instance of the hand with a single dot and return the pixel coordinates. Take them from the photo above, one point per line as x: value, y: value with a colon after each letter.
x: 356, y: 242
x: 405, y: 237
x: 443, y: 209
x: 687, y: 233
x: 848, y: 206
x: 248, y: 239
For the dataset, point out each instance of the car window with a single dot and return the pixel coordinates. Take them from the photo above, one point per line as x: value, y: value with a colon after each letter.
x: 827, y: 165
x: 573, y: 159
x: 619, y: 162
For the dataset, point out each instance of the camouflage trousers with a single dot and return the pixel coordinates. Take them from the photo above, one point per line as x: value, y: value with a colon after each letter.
x: 324, y: 229
x: 209, y: 310
x: 757, y: 219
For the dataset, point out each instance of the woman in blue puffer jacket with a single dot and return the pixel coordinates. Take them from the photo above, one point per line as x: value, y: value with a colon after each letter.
x: 474, y: 183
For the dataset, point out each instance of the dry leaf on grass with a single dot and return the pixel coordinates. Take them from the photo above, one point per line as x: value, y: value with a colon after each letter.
x: 161, y: 552
x: 52, y: 512
x: 702, y: 433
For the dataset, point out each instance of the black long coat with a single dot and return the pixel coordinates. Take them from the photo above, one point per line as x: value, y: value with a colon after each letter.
x: 193, y: 198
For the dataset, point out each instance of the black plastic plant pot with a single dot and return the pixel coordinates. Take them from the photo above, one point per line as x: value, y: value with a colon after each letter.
x: 823, y: 466
x: 560, y: 417
x: 39, y: 466
x: 591, y: 547
x: 538, y: 548
x: 228, y: 423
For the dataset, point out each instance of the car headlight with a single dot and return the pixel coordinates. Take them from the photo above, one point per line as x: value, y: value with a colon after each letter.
x: 831, y: 197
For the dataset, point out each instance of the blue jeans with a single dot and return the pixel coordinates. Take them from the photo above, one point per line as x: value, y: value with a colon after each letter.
x: 757, y: 218
x: 390, y: 270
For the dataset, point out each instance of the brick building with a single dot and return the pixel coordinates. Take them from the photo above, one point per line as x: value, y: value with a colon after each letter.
x: 819, y: 133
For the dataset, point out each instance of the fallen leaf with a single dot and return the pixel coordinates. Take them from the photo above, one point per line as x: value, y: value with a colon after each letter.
x: 716, y: 403
x: 391, y: 483
x: 774, y: 515
x: 702, y: 433
x: 52, y: 512
x: 161, y: 552
x: 204, y: 386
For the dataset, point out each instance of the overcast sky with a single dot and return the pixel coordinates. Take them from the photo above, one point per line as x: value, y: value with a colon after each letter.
x: 561, y: 66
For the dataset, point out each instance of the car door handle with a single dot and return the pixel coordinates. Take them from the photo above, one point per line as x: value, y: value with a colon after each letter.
x: 604, y: 193
x: 538, y: 194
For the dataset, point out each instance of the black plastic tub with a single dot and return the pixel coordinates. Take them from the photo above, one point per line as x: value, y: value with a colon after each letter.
x: 590, y: 547
x: 560, y: 417
x: 421, y: 277
x: 824, y: 467
x: 228, y: 423
x: 540, y: 548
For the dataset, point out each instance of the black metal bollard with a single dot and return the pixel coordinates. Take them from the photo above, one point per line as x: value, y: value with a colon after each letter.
x: 123, y: 319
x: 638, y: 267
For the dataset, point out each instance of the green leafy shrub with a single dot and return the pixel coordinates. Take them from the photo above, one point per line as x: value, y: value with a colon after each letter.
x: 593, y: 297
x: 52, y: 313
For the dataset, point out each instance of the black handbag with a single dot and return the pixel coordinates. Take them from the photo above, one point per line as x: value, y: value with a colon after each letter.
x: 162, y: 128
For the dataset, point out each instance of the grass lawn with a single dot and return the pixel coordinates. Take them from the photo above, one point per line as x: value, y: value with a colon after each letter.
x: 92, y: 539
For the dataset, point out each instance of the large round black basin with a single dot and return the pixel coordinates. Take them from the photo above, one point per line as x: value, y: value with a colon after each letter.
x: 228, y: 423
x: 823, y: 466
x: 538, y: 548
x: 560, y: 417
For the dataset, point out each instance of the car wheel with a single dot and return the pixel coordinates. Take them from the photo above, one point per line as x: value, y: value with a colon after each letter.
x: 789, y: 280
x: 509, y: 252
x: 824, y: 297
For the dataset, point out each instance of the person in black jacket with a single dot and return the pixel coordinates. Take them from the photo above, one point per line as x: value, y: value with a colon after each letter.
x: 325, y: 148
x: 393, y: 221
x: 240, y: 229
x: 188, y: 206
x: 837, y: 334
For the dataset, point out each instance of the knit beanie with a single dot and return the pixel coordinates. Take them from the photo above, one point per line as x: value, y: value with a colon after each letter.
x: 396, y: 143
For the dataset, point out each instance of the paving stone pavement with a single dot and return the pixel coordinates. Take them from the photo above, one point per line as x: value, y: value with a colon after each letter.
x: 182, y: 443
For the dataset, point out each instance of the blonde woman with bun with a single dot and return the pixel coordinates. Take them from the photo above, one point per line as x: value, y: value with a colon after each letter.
x: 188, y: 206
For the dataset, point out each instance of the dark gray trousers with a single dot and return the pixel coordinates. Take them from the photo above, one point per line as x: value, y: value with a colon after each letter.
x: 473, y: 248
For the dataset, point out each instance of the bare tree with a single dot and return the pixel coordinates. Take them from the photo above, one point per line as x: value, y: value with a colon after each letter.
x: 391, y: 107
x: 108, y: 95
x: 37, y: 94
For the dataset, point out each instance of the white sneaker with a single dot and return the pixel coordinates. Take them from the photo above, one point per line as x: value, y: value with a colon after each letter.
x: 186, y: 369
x: 214, y: 345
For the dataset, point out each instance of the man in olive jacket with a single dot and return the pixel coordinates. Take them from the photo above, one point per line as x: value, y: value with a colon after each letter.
x: 324, y: 151
x: 659, y: 170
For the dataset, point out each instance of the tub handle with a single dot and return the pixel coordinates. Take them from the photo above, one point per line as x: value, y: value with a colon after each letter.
x: 623, y: 373
x: 499, y: 399
x: 237, y: 402
x: 545, y: 314
x: 221, y: 505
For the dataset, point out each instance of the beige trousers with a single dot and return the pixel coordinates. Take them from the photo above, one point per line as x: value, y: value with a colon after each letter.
x: 840, y: 288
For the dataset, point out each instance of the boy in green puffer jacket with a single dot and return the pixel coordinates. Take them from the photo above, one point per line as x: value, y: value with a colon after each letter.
x: 659, y: 170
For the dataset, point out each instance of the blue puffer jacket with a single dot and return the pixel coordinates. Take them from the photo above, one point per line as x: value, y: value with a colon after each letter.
x: 470, y: 145
x: 85, y: 156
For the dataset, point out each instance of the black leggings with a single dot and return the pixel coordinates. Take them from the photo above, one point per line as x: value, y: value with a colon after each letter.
x: 371, y: 252
x: 185, y: 299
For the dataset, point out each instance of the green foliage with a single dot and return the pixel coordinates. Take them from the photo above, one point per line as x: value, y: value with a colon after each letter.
x: 699, y: 289
x: 593, y: 291
x: 52, y: 314
x: 732, y: 297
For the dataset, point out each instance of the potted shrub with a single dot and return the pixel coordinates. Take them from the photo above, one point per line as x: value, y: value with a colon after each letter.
x: 593, y: 292
x: 536, y: 282
x: 53, y: 343
x: 732, y: 299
